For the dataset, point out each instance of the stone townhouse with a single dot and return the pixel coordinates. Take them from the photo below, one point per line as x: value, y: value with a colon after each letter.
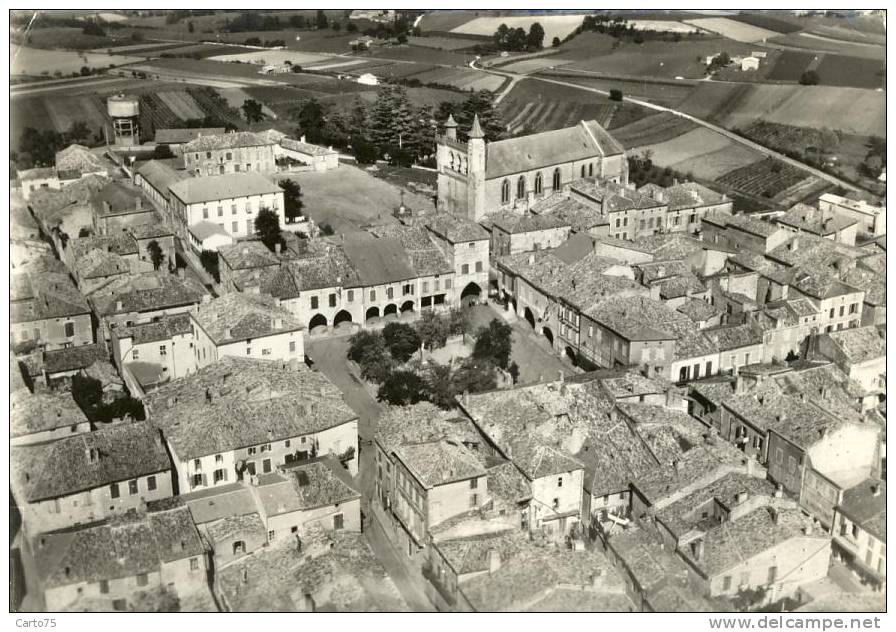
x: 245, y: 326
x: 689, y: 203
x: 232, y: 202
x: 32, y: 180
x: 242, y: 417
x: 512, y: 233
x: 802, y: 218
x: 860, y: 530
x: 120, y: 205
x: 176, y: 138
x: 89, y: 476
x: 43, y: 415
x: 742, y: 232
x: 872, y: 219
x: 466, y: 246
x: 233, y: 152
x: 630, y: 214
x: 138, y: 561
x: 155, y: 178
x: 48, y: 311
x: 156, y: 351
x: 861, y: 353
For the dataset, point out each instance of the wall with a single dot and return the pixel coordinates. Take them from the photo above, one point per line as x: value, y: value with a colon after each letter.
x: 177, y: 360
x: 547, y: 488
x: 207, y: 465
x: 731, y: 359
x: 868, y: 553
x: 452, y: 499
x: 690, y: 219
x: 537, y: 239
x: 39, y: 183
x: 91, y: 505
x: 470, y: 254
x: 282, y: 525
x: 51, y: 331
x: 819, y: 496
x: 232, y: 160
x: 51, y: 435
x: 285, y: 345
x: 705, y: 365
x: 225, y: 212
x: 131, y: 318
x: 119, y: 588
x: 785, y: 463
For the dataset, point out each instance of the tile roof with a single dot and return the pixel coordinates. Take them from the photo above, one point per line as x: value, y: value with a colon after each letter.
x: 165, y: 328
x: 228, y: 140
x: 121, y: 197
x: 874, y: 284
x: 439, y: 462
x: 507, y: 484
x: 76, y: 160
x: 714, y: 391
x: 38, y: 173
x: 378, y: 261
x: 304, y: 487
x: 815, y: 253
x: 161, y: 175
x: 866, y: 505
x: 241, y: 402
x: 735, y: 542
x: 185, y: 134
x: 146, y: 292
x: 203, y: 230
x: 580, y: 216
x: 101, y: 264
x: 119, y: 243
x: 426, y: 258
x: 49, y: 295
x: 811, y: 220
x: 239, y: 316
x: 123, y: 451
x: 698, y: 310
x: 117, y: 549
x: 41, y: 411
x: 636, y: 317
x: 518, y: 224
x: 743, y: 222
x: 74, y: 358
x: 306, y: 148
x: 248, y: 254
x: 617, y: 197
x: 222, y: 187
x: 456, y: 229
x: 692, y: 195
x: 421, y: 423
x: 236, y: 527
x: 525, y: 153
x: 734, y: 337
x: 860, y: 344
x: 576, y: 248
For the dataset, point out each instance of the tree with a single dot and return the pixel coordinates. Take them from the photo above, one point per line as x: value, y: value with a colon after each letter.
x: 402, y: 388
x: 493, y: 343
x: 309, y: 116
x: 459, y: 321
x: 556, y: 42
x: 92, y: 27
x: 809, y: 78
x: 474, y: 375
x: 433, y: 330
x: 514, y: 370
x: 440, y: 383
x: 351, y: 27
x: 85, y: 71
x: 535, y: 38
x: 267, y: 225
x: 326, y: 230
x: 209, y: 261
x: 155, y: 254
x: 402, y: 341
x: 321, y: 19
x: 615, y: 94
x: 252, y: 111
x: 190, y: 27
x: 297, y: 21
x: 368, y: 350
x: 337, y: 25
x: 79, y: 132
x: 402, y: 38
x: 292, y: 198
x: 41, y: 146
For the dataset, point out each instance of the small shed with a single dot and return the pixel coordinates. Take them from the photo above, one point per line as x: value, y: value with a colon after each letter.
x: 209, y: 236
x: 749, y: 63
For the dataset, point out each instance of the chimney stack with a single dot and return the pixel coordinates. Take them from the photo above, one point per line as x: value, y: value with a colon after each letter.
x: 227, y: 332
x: 494, y: 561
x: 138, y: 203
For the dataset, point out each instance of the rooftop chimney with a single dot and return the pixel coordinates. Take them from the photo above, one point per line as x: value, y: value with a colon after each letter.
x: 494, y: 561
x: 138, y: 203
x: 875, y: 490
x: 227, y: 332
x: 278, y: 323
x: 742, y: 497
x: 779, y: 491
x: 119, y: 306
x: 302, y: 139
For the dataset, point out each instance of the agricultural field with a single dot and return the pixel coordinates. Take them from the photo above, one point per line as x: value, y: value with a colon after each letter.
x: 854, y: 72
x: 664, y: 93
x: 181, y: 104
x: 272, y: 57
x: 65, y: 37
x: 463, y: 78
x: 141, y: 47
x: 701, y: 152
x: 790, y: 66
x: 664, y: 60
x: 767, y: 22
x: 444, y: 21
x: 767, y: 178
x: 818, y: 43
x: 539, y: 106
x: 734, y: 106
x: 847, y: 32
x: 670, y: 26
x: 25, y: 60
x: 553, y: 25
x: 733, y: 29
x: 587, y: 44
x: 443, y: 43
x: 656, y: 128
x: 535, y: 64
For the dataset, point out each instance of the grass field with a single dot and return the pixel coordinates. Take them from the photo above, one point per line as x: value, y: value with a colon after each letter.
x: 273, y: 57
x: 847, y: 32
x: 671, y: 26
x: 656, y: 128
x: 348, y: 197
x: 445, y: 20
x: 701, y: 152
x: 65, y: 37
x: 767, y: 22
x: 733, y: 29
x: 463, y: 78
x: 803, y: 106
x: 444, y: 43
x: 553, y: 25
x: 790, y: 66
x: 536, y: 64
x: 37, y: 61
x: 666, y: 93
x: 856, y: 72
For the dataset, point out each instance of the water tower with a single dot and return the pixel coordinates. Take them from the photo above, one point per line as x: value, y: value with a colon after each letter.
x: 125, y: 114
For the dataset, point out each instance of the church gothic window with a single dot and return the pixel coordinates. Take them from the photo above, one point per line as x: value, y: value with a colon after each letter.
x: 505, y: 192
x: 538, y: 184
x: 557, y: 179
x: 521, y: 188
x: 591, y: 169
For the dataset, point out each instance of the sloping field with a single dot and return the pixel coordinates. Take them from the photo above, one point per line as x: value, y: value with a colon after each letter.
x: 790, y: 66
x: 732, y: 29
x: 536, y: 64
x: 767, y: 22
x: 855, y: 111
x: 855, y: 72
x: 445, y: 20
x: 553, y: 25
x: 656, y: 128
x: 668, y: 93
x: 463, y: 78
x: 64, y: 111
x: 273, y: 57
x: 330, y: 63
x: 36, y: 61
x: 699, y: 152
x: 143, y: 47
x: 235, y: 98
x: 181, y: 104
x: 670, y: 26
x: 445, y: 43
x: 819, y: 43
x: 766, y: 178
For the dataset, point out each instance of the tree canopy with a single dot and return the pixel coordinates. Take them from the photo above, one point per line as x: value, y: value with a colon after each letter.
x: 155, y: 254
x: 402, y: 388
x: 252, y: 111
x: 494, y: 344
x: 267, y: 225
x: 402, y: 341
x: 292, y: 198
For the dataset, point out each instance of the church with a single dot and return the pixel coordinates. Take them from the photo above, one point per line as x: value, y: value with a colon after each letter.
x: 477, y: 177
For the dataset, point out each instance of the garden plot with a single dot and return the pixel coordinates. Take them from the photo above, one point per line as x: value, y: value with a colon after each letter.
x: 554, y: 25
x: 182, y: 105
x: 732, y: 29
x: 702, y: 152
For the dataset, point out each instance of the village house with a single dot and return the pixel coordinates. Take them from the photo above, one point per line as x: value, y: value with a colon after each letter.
x: 154, y: 352
x: 31, y: 180
x: 62, y: 214
x: 245, y: 325
x: 120, y: 205
x: 317, y: 157
x: 137, y: 561
x: 802, y: 218
x: 869, y: 275
x: 860, y: 530
x: 242, y: 417
x: 742, y: 232
x: 512, y: 233
x: 59, y: 365
x: 466, y: 246
x: 630, y: 213
x: 688, y: 203
x: 47, y: 311
x: 231, y: 201
x: 155, y: 177
x: 872, y: 219
x: 43, y: 415
x: 229, y: 153
x: 175, y: 138
x: 77, y: 161
x: 89, y: 476
x: 582, y: 215
x: 477, y: 177
x: 861, y: 353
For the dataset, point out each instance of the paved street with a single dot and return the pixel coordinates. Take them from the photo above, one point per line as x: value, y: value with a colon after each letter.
x: 841, y: 575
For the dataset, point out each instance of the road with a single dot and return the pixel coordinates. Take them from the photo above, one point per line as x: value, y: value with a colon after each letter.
x: 41, y: 87
x: 659, y: 108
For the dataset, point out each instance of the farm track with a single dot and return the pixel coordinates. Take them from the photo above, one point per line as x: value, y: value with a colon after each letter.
x: 711, y: 126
